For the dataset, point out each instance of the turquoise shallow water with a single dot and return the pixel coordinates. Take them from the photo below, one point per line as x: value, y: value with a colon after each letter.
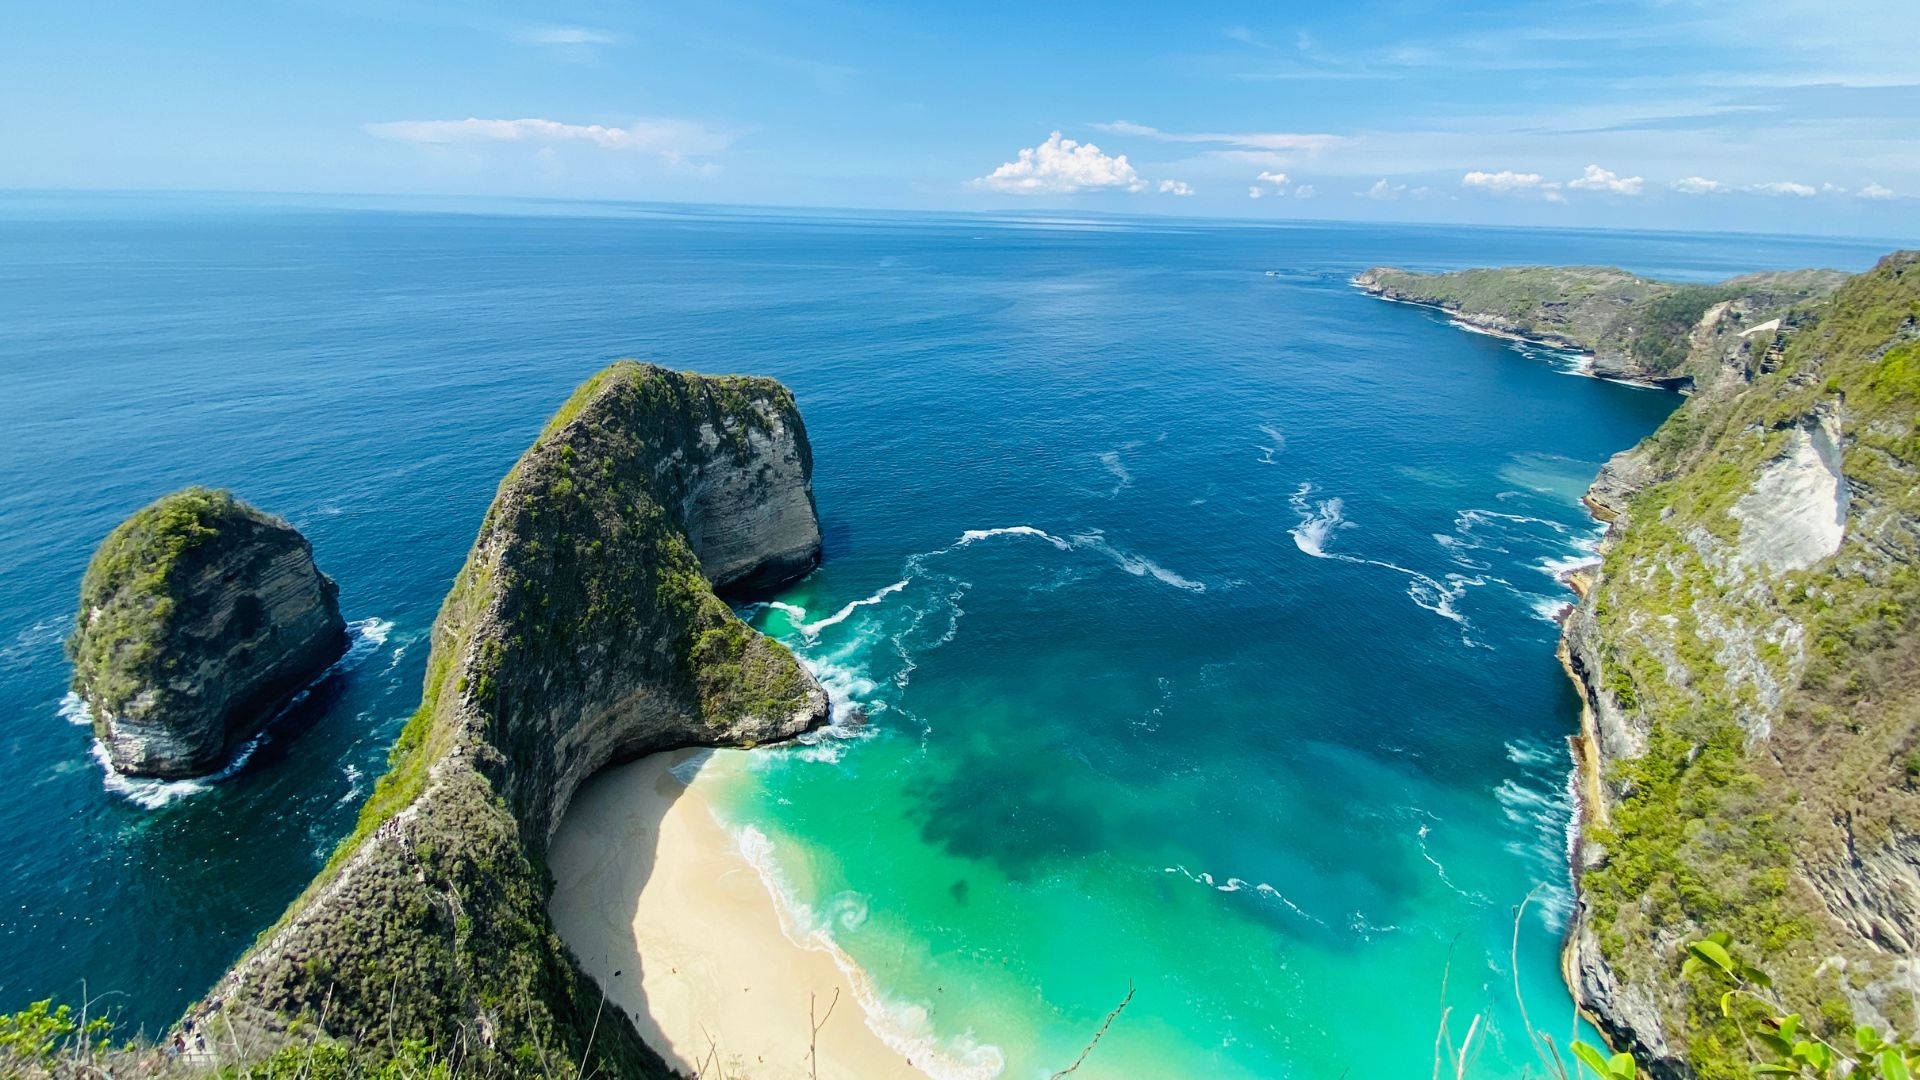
x: 1197, y: 613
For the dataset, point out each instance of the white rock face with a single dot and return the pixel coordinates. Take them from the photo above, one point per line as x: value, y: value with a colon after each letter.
x: 1796, y: 513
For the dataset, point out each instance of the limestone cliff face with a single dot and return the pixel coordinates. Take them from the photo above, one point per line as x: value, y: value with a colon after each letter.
x: 1749, y: 650
x: 198, y: 616
x: 582, y: 630
x: 1698, y: 336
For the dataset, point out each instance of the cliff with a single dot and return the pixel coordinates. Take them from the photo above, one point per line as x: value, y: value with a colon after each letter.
x: 1632, y: 327
x: 1750, y: 650
x: 198, y: 616
x: 583, y: 630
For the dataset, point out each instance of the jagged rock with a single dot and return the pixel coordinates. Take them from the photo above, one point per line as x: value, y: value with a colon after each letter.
x: 582, y: 631
x: 199, y: 615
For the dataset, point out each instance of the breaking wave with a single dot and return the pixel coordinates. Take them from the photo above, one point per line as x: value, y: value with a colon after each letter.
x: 906, y: 1028
x: 1234, y: 884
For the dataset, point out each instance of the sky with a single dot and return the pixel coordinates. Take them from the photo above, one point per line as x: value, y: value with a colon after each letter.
x: 1767, y: 116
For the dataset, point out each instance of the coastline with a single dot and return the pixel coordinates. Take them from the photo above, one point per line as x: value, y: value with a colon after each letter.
x: 1590, y: 805
x: 664, y: 909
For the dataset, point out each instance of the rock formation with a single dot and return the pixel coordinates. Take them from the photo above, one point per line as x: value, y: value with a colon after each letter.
x: 583, y: 630
x: 199, y: 615
x: 1750, y: 652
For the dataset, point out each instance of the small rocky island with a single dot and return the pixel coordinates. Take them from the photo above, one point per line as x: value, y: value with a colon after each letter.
x: 199, y: 615
x: 583, y: 631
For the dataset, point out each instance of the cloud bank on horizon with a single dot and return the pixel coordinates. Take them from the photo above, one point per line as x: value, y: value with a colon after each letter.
x: 1796, y: 115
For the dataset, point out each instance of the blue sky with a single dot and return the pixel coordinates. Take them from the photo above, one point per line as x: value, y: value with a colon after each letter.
x: 1796, y: 116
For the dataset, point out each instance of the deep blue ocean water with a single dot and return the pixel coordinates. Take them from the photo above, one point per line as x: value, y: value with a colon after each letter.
x: 1255, y: 706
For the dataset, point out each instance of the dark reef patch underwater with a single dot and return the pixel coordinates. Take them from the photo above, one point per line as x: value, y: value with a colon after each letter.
x: 1201, y: 616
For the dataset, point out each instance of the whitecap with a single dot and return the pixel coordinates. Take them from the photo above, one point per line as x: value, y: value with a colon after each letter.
x: 1122, y: 478
x: 813, y: 629
x: 1137, y: 565
x: 973, y: 535
x: 1319, y: 522
x: 74, y: 710
x: 1547, y: 608
x: 1235, y: 884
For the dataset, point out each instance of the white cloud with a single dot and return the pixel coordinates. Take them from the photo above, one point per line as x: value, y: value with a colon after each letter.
x: 1784, y: 187
x: 1699, y: 185
x: 1062, y: 166
x: 1175, y: 187
x: 1381, y: 191
x: 1295, y: 141
x: 566, y: 35
x: 1268, y: 182
x: 1599, y: 179
x: 674, y: 140
x: 1504, y: 181
x: 1875, y: 191
x: 1832, y: 189
x: 1304, y: 191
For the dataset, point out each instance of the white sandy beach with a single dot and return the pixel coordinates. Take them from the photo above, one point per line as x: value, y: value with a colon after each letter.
x: 651, y: 887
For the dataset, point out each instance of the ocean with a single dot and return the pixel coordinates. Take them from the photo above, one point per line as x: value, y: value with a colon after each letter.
x: 1189, y: 614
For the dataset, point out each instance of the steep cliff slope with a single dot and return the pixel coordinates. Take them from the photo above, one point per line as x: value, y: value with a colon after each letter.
x: 1751, y: 649
x: 198, y: 615
x: 582, y: 630
x: 1633, y: 327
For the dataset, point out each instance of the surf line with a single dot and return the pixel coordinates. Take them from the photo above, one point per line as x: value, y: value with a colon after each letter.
x: 1093, y: 540
x: 1318, y: 523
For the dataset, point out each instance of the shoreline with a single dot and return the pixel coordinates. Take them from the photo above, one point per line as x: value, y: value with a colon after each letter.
x: 666, y: 911
x: 1474, y: 323
x: 1590, y: 804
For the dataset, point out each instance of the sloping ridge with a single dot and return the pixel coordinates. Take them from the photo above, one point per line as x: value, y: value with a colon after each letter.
x: 1750, y: 651
x: 582, y: 630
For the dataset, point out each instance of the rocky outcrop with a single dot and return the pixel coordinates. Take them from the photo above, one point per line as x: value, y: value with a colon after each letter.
x: 1629, y: 327
x: 583, y: 630
x: 1750, y: 651
x: 199, y: 615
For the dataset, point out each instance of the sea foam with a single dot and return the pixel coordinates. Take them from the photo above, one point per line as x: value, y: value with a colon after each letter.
x: 364, y: 638
x: 906, y: 1028
x: 1319, y: 523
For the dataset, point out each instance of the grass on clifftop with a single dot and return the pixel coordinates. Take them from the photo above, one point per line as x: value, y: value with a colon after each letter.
x: 128, y: 591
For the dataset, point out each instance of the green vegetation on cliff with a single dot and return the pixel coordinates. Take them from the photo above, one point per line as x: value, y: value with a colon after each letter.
x: 132, y: 584
x: 1634, y: 326
x: 1778, y: 701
